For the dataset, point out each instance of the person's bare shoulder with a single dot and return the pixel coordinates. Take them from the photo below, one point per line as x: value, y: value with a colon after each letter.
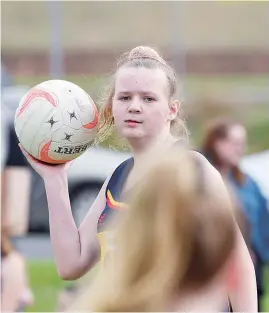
x: 206, y: 165
x: 211, y: 176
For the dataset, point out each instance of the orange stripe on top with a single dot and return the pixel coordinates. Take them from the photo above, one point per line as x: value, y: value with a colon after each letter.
x: 37, y: 93
x: 44, y: 155
x: 95, y: 120
x: 113, y: 204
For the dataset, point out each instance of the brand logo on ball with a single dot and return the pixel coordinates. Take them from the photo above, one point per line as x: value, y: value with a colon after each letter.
x: 73, y: 149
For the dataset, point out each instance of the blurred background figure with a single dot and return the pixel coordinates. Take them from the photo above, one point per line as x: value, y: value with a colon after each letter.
x: 16, y: 294
x: 224, y: 146
x: 15, y: 190
x: 15, y: 173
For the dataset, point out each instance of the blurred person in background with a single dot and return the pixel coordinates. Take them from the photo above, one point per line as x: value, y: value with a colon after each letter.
x: 165, y: 258
x: 224, y: 146
x: 141, y: 104
x: 15, y: 172
x: 16, y: 294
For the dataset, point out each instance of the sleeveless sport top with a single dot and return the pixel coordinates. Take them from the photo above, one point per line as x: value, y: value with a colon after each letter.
x: 113, y: 207
x: 114, y: 204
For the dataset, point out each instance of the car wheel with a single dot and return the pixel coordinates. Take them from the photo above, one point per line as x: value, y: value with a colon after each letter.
x: 82, y: 199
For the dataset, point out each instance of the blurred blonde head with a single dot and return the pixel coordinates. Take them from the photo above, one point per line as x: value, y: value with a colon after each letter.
x: 176, y: 234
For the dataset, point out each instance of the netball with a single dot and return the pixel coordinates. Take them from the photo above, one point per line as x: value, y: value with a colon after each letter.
x: 56, y: 121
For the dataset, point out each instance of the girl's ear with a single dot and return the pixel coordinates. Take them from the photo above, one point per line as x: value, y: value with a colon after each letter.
x: 174, y: 109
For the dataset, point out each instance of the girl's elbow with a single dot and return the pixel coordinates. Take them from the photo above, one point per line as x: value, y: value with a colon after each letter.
x: 69, y: 274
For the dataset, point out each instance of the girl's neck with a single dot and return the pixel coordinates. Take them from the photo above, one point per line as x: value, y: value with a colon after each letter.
x: 153, y: 148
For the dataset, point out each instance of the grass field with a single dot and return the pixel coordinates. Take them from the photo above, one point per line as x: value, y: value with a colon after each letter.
x: 46, y: 286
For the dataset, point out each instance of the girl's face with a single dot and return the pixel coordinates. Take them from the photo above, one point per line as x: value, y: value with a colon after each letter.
x: 141, y: 103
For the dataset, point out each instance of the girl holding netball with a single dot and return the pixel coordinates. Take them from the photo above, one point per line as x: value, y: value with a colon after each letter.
x: 141, y: 105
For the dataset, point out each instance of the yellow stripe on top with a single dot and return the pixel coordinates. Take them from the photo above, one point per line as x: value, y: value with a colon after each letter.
x: 102, y: 237
x: 107, y: 244
x: 106, y: 238
x: 113, y: 204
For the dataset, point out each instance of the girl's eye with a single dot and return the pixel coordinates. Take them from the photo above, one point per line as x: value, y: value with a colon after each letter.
x: 125, y: 98
x: 149, y: 99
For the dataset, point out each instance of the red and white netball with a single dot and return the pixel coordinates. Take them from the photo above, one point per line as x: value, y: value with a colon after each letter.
x: 56, y: 121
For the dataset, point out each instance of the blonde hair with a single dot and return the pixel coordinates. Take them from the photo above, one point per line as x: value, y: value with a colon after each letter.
x: 149, y: 58
x: 176, y: 233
